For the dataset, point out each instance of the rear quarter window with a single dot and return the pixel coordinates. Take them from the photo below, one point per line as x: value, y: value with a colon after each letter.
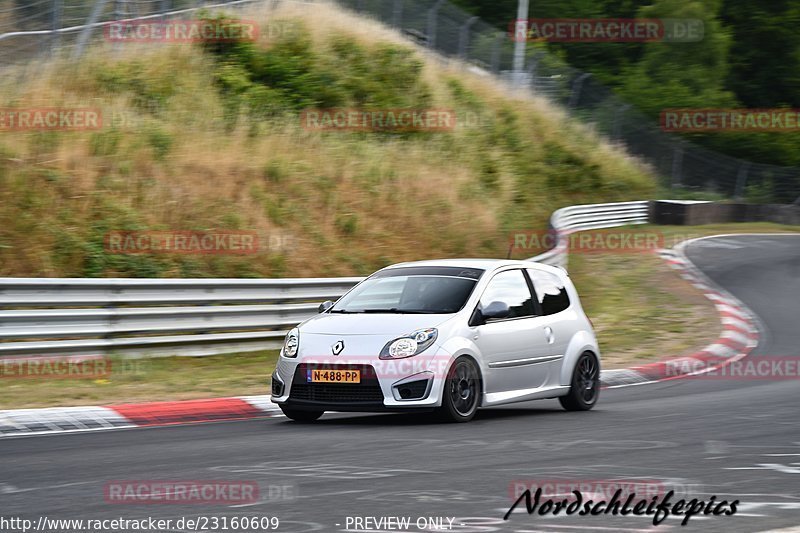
x: 550, y: 291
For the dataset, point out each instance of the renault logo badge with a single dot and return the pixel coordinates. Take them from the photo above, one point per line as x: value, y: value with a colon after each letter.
x: 337, y: 348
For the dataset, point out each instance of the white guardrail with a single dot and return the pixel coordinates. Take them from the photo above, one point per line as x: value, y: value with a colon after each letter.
x: 74, y: 316
x: 585, y: 217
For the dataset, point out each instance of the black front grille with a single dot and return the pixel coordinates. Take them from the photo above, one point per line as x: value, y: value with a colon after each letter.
x: 337, y: 392
x: 368, y: 391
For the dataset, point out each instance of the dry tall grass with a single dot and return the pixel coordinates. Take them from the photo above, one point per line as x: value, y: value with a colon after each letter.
x: 349, y: 202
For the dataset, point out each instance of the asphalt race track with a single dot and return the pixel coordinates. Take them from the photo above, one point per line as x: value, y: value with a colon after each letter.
x: 737, y: 440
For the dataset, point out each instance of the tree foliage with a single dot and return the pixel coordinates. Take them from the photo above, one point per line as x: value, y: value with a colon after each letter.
x: 749, y: 57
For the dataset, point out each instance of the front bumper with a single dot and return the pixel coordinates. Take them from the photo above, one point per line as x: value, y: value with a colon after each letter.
x: 405, y: 384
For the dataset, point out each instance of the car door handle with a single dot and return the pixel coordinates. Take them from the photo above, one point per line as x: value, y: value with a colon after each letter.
x: 548, y: 334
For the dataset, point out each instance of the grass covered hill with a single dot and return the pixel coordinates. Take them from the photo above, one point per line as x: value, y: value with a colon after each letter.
x: 209, y: 138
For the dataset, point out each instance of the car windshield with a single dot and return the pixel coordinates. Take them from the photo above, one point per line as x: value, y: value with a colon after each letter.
x: 410, y: 290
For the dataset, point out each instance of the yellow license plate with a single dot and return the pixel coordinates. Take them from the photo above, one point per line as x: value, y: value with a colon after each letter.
x: 334, y: 376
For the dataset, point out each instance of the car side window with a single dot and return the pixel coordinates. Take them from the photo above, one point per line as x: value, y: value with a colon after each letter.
x: 550, y: 291
x: 512, y: 288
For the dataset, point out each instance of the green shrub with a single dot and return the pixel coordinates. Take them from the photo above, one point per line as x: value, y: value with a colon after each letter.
x: 347, y: 223
x: 104, y: 143
x: 293, y: 74
x: 160, y: 141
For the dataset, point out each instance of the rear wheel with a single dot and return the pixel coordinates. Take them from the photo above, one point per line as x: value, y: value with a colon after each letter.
x: 585, y: 386
x: 462, y: 391
x: 301, y: 416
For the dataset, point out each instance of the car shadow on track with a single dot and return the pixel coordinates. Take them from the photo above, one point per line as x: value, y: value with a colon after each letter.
x: 428, y: 419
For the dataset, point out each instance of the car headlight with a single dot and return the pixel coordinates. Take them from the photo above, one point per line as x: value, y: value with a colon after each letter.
x: 292, y: 343
x: 409, y: 345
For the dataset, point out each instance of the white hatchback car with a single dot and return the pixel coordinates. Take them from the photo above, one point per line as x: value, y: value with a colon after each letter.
x: 447, y: 336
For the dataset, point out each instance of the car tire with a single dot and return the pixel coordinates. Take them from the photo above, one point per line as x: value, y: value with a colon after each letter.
x: 585, y: 384
x: 462, y: 391
x: 301, y: 416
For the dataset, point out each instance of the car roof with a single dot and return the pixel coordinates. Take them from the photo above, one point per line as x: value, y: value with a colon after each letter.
x: 483, y: 264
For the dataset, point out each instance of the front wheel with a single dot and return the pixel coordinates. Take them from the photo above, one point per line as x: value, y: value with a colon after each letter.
x: 301, y: 416
x: 462, y: 391
x: 585, y: 385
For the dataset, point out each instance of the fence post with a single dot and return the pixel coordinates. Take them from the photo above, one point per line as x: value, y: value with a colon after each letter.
x: 121, y: 9
x: 164, y: 8
x: 86, y: 34
x: 577, y: 85
x: 56, y: 39
x: 677, y: 166
x: 532, y: 78
x: 741, y: 180
x: 463, y: 37
x: 432, y: 15
x: 496, y: 49
x: 397, y: 14
x: 519, y: 44
x: 121, y: 12
x: 615, y: 132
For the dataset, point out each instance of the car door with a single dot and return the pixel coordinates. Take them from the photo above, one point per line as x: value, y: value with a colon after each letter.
x: 514, y: 349
x: 558, y: 318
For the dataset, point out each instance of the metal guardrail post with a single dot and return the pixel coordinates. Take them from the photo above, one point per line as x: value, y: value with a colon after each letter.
x: 433, y: 14
x: 397, y: 13
x: 164, y: 9
x: 532, y: 79
x: 55, y: 41
x: 497, y: 48
x: 741, y: 180
x: 87, y: 31
x: 677, y: 166
x: 520, y: 44
x: 121, y: 12
x: 616, y: 131
x: 463, y: 37
x: 577, y: 85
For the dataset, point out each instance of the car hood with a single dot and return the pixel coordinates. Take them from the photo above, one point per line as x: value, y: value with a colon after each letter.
x: 370, y: 324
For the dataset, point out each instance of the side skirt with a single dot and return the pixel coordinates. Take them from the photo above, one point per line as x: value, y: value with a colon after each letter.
x: 523, y: 395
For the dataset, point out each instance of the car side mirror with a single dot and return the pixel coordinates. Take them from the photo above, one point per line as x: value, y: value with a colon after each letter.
x: 496, y: 310
x: 324, y: 306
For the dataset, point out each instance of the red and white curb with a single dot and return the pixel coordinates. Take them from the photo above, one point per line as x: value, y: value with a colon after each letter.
x: 78, y: 419
x: 738, y: 337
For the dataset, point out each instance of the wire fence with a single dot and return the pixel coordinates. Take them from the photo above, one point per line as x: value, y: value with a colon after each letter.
x: 36, y: 28
x: 679, y: 163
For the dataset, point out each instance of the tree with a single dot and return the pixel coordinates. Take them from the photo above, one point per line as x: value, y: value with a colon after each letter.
x: 765, y: 54
x: 681, y: 74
